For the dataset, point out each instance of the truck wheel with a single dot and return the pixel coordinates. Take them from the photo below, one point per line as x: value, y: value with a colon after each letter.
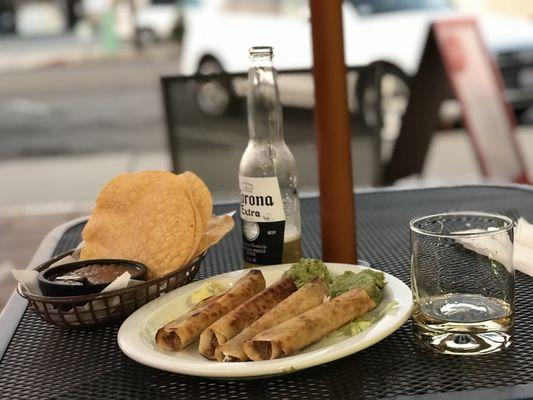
x: 393, y: 96
x: 214, y: 97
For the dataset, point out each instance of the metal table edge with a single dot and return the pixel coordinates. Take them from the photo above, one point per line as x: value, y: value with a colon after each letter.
x: 519, y: 186
x: 16, y: 305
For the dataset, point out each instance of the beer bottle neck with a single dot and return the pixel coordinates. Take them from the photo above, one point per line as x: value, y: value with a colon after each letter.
x: 264, y: 108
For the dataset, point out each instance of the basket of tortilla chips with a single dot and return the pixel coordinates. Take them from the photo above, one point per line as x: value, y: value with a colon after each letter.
x: 156, y: 218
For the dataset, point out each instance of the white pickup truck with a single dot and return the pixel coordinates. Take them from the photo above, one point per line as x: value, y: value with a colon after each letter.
x: 219, y: 33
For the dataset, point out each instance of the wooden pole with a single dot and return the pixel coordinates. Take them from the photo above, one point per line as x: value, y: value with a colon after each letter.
x: 337, y: 204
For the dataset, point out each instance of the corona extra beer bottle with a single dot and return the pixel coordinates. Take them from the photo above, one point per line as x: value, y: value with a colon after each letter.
x: 270, y: 208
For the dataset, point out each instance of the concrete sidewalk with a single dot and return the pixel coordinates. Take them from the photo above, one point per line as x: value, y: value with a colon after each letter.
x: 23, y: 54
x: 64, y: 181
x: 41, y: 183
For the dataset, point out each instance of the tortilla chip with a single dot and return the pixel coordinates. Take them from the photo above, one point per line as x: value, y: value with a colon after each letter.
x: 147, y: 216
x: 198, y: 232
x: 201, y: 196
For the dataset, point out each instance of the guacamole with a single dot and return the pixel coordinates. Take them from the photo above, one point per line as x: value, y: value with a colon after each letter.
x: 306, y: 270
x: 372, y: 281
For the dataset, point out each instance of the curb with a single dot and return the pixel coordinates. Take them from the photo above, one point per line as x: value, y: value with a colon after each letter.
x: 30, y: 64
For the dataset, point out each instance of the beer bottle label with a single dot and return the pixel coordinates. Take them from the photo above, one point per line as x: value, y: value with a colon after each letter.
x: 263, y: 220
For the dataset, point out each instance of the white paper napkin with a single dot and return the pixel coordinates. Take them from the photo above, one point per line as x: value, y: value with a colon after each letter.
x: 495, y: 247
x: 523, y: 247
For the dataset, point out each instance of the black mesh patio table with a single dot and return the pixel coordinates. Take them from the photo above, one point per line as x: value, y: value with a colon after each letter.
x: 42, y: 361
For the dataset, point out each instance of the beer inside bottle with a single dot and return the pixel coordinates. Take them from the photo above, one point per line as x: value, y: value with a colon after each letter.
x: 270, y: 208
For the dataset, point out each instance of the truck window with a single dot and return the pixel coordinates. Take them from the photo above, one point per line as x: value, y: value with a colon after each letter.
x: 164, y: 2
x: 369, y: 7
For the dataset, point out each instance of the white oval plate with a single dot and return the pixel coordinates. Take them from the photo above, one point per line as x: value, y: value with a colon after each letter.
x: 136, y: 335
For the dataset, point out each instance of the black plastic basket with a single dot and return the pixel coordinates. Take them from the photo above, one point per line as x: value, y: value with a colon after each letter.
x: 108, y: 307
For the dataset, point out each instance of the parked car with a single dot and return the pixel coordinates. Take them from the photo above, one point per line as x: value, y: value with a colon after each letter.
x: 39, y: 18
x: 146, y: 21
x: 393, y: 33
x: 7, y: 16
x: 159, y: 20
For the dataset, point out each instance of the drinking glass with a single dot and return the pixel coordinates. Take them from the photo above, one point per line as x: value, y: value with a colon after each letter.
x: 462, y: 278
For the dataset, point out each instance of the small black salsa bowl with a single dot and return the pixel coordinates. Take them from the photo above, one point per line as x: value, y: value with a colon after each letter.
x: 51, y: 287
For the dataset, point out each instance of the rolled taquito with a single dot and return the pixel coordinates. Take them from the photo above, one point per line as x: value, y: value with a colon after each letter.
x: 235, y: 321
x: 181, y: 332
x: 307, y: 297
x: 309, y: 327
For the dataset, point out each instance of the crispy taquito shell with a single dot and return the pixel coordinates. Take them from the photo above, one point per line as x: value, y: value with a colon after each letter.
x: 309, y: 327
x: 181, y: 332
x: 307, y: 297
x: 235, y: 321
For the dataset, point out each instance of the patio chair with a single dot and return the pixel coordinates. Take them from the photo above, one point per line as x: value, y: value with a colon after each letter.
x: 220, y: 137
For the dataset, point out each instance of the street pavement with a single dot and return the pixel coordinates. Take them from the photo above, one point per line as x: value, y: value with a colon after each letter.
x: 107, y: 106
